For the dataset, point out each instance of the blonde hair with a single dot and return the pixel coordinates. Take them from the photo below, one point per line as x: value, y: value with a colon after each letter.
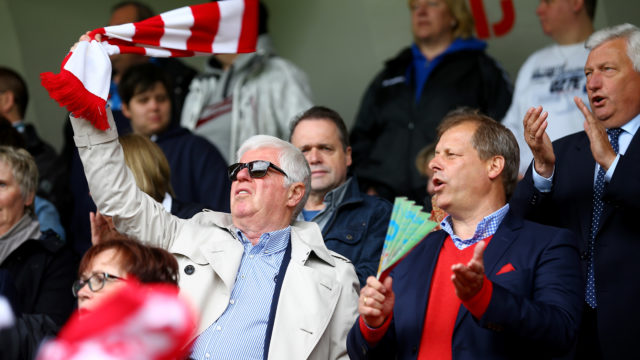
x: 148, y: 164
x: 465, y: 24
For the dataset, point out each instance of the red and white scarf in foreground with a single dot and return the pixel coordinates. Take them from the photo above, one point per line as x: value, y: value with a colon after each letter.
x: 138, y: 321
x: 82, y: 86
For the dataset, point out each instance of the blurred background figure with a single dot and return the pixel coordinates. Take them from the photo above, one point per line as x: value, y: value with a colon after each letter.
x: 445, y: 67
x: 552, y: 76
x: 36, y: 265
x: 241, y: 95
x: 47, y: 214
x: 422, y: 165
x: 199, y: 172
x: 14, y: 98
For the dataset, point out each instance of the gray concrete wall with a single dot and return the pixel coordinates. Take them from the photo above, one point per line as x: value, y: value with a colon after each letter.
x: 341, y: 44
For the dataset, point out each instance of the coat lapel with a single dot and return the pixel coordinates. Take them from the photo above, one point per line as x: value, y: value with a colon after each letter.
x: 581, y: 179
x: 499, y: 244
x: 307, y: 302
x: 634, y: 148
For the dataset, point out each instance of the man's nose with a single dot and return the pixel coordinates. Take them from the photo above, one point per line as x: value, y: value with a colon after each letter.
x: 434, y: 164
x: 313, y: 156
x: 243, y: 175
x: 594, y: 81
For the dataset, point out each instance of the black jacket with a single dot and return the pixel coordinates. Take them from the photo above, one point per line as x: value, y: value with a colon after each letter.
x: 42, y: 271
x: 391, y: 127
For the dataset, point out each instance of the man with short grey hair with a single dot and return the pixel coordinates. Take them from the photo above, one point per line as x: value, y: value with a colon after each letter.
x: 588, y: 183
x: 265, y: 286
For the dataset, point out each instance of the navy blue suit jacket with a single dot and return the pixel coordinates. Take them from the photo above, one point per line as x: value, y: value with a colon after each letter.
x: 617, y: 246
x: 534, y: 310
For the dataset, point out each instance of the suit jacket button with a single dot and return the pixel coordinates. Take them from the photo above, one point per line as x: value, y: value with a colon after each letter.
x: 414, y: 350
x: 583, y: 255
x: 189, y: 269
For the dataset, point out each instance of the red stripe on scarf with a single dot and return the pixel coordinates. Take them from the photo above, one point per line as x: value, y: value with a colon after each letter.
x: 249, y: 32
x: 149, y: 31
x: 205, y: 27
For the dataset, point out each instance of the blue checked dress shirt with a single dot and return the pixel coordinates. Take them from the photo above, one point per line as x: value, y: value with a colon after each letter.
x: 240, y: 331
x: 486, y: 227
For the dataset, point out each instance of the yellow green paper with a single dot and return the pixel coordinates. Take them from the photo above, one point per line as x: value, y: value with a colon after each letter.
x: 407, y: 226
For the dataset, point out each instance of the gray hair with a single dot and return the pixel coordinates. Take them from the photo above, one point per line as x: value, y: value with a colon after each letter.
x: 24, y: 169
x: 628, y: 32
x: 292, y: 161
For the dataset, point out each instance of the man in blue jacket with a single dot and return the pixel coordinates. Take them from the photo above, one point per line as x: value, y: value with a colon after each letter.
x: 353, y: 224
x: 489, y: 285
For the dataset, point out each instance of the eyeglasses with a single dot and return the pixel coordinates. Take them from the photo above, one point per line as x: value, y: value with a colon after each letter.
x: 96, y: 282
x: 257, y: 169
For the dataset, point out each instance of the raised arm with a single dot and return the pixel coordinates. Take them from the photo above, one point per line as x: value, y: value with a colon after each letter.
x: 114, y: 189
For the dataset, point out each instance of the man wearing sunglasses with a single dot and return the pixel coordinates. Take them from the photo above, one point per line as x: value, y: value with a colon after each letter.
x: 264, y: 285
x: 353, y: 224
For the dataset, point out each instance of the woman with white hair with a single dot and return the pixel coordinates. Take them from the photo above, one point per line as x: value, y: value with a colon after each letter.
x: 39, y: 269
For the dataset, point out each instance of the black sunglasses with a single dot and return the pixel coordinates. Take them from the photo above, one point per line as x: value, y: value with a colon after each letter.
x: 96, y: 282
x: 257, y: 169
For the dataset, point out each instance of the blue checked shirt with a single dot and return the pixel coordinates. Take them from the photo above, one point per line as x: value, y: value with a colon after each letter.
x: 486, y: 227
x: 240, y: 331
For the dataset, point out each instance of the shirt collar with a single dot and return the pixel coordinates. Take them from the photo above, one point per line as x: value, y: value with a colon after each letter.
x: 269, y: 243
x: 335, y: 196
x: 486, y: 227
x: 632, y: 126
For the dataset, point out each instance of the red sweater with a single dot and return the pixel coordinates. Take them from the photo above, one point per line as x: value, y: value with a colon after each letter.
x: 443, y: 305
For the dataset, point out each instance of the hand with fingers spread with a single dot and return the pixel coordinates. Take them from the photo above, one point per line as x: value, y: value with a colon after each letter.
x: 535, y: 124
x: 467, y: 279
x: 376, y: 301
x: 601, y: 148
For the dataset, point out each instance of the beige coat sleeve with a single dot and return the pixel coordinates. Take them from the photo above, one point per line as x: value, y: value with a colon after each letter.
x: 114, y: 190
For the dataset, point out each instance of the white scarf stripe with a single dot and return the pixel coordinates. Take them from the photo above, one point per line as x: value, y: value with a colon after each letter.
x: 229, y: 29
x: 177, y: 25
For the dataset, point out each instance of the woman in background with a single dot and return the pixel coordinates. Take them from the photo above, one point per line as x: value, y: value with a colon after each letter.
x: 445, y: 68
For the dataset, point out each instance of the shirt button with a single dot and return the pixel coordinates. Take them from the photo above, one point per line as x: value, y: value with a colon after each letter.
x: 207, y: 355
x: 218, y: 328
x: 242, y: 276
x: 250, y: 256
x: 232, y: 301
x: 189, y: 269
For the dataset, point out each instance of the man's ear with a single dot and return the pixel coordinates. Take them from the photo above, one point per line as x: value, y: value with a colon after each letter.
x: 125, y: 111
x: 577, y: 5
x: 295, y: 194
x: 7, y: 100
x: 347, y: 156
x: 495, y: 165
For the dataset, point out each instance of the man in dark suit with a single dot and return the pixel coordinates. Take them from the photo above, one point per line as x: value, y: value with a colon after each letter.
x: 589, y: 182
x: 521, y: 298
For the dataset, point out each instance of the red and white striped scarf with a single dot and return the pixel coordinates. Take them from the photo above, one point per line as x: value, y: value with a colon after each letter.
x: 82, y: 86
x: 138, y: 321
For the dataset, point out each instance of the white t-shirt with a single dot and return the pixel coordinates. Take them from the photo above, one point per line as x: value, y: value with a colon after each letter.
x: 550, y: 77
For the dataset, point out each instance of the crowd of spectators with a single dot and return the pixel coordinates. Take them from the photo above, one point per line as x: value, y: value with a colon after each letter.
x: 270, y: 217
